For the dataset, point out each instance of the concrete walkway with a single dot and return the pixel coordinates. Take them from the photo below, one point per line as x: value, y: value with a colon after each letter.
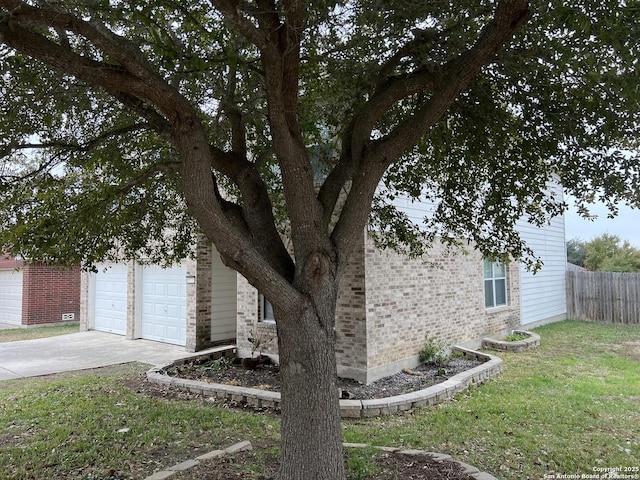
x: 80, y: 351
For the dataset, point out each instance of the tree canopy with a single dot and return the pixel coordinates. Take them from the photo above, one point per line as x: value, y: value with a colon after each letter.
x: 576, y: 251
x: 88, y: 164
x: 127, y: 128
x: 605, y: 253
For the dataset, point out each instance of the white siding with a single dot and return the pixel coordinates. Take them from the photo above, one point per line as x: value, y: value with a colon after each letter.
x: 224, y: 299
x: 416, y: 211
x: 544, y: 294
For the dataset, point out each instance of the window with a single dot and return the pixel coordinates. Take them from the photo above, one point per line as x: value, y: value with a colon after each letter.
x: 495, y: 284
x: 266, y: 310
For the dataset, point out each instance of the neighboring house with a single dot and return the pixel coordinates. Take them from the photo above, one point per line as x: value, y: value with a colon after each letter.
x: 36, y: 294
x: 387, y: 303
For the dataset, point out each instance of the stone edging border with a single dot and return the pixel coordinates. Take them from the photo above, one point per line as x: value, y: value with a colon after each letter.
x: 245, y: 446
x: 438, y: 457
x: 515, y: 347
x: 491, y: 367
x: 187, y: 464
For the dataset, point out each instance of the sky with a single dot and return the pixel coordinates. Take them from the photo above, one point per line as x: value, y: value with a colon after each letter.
x: 626, y: 224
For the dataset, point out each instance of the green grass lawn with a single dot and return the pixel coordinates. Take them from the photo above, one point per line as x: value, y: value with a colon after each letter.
x: 15, y: 334
x: 86, y: 425
x: 569, y: 407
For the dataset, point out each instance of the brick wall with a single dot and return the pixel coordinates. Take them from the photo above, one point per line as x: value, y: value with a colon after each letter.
x: 389, y: 302
x: 441, y: 295
x: 249, y: 322
x: 199, y: 297
x: 351, y: 319
x: 48, y: 293
x: 10, y: 262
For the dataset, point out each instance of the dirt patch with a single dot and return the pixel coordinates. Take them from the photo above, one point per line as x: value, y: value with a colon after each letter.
x: 259, y: 464
x: 381, y: 466
x: 632, y: 349
x: 266, y: 377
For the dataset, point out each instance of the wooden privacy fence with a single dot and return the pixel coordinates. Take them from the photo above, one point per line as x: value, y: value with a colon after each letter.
x: 604, y: 296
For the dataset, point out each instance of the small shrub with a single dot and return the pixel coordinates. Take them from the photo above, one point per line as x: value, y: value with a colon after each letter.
x: 222, y: 363
x: 516, y: 337
x: 435, y: 351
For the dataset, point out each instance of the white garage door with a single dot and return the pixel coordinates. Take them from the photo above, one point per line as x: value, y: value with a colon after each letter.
x: 110, y: 299
x: 164, y: 304
x: 11, y: 296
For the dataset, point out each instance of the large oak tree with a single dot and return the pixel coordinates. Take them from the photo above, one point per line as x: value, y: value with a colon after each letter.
x: 129, y: 127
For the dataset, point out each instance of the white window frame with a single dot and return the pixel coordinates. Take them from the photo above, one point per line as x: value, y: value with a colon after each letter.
x: 495, y: 275
x: 266, y: 310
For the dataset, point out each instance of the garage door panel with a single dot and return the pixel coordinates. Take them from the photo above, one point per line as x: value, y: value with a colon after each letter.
x: 11, y: 296
x: 173, y: 291
x: 110, y: 299
x: 164, y: 304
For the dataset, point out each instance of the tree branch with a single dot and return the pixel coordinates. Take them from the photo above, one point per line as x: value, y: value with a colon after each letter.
x: 116, y: 47
x: 455, y: 77
x: 108, y: 76
x: 136, y: 85
x: 448, y: 82
x: 232, y: 14
x: 78, y: 147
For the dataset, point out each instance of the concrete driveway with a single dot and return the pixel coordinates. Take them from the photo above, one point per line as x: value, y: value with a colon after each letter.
x: 79, y: 351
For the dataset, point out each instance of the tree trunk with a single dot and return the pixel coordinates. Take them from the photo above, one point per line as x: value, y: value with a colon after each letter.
x: 311, y: 426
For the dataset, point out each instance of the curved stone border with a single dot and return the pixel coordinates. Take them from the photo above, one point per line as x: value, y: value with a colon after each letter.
x: 516, y: 347
x: 187, y: 464
x: 245, y: 446
x: 437, y: 457
x: 491, y: 367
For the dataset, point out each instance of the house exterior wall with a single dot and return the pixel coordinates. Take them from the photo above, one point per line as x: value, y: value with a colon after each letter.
x: 350, y: 319
x: 199, y: 297
x: 389, y: 302
x: 10, y: 262
x: 544, y: 293
x: 249, y: 324
x: 440, y: 295
x: 48, y: 293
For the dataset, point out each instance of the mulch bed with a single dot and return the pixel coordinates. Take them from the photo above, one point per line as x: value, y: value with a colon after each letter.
x: 252, y: 465
x: 388, y: 466
x: 266, y: 377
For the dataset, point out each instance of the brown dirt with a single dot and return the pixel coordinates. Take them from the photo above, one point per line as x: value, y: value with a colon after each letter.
x: 388, y: 466
x: 632, y: 349
x: 262, y: 465
x: 266, y: 377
